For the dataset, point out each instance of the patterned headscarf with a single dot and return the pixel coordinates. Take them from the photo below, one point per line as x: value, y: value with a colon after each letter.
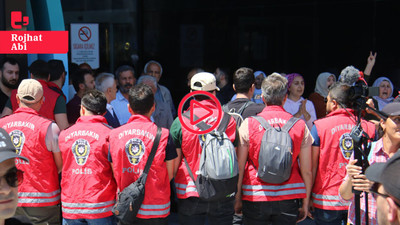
x: 290, y: 77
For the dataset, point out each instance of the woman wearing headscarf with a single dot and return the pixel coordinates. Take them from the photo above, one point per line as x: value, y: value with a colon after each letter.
x: 385, y: 96
x: 385, y: 92
x: 324, y: 81
x: 295, y: 104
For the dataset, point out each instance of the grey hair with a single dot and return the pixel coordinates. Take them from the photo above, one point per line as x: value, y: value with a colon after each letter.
x: 152, y: 62
x: 144, y: 78
x: 104, y: 81
x: 274, y: 89
x: 124, y: 68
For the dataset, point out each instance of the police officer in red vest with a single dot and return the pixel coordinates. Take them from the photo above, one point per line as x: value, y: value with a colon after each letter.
x: 88, y: 188
x: 192, y: 210
x: 331, y: 152
x: 54, y: 105
x: 130, y: 146
x: 36, y: 138
x: 263, y: 202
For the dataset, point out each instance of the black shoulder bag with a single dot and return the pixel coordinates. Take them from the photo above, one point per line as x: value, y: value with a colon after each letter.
x: 131, y: 198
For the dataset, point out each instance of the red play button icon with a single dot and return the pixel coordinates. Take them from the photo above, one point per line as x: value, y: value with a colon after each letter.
x: 194, y: 119
x: 199, y: 112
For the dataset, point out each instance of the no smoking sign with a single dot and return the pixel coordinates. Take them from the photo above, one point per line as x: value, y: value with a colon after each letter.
x: 84, y: 34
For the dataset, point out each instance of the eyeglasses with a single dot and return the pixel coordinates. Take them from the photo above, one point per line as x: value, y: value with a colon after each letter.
x: 375, y: 194
x: 14, y: 177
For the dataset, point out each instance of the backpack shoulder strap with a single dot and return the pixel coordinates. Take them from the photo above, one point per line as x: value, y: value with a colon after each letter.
x: 224, y: 122
x: 244, y: 106
x: 263, y: 122
x: 201, y: 125
x: 225, y: 108
x: 290, y: 123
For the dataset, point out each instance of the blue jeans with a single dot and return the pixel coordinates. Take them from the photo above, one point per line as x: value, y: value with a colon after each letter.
x: 194, y: 211
x: 273, y: 212
x: 111, y: 220
x: 330, y: 217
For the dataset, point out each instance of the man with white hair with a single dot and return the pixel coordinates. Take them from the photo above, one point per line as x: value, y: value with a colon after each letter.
x: 162, y: 114
x: 154, y: 69
x: 105, y: 82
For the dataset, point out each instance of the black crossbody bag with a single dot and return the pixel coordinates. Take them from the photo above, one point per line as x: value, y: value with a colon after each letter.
x: 131, y: 198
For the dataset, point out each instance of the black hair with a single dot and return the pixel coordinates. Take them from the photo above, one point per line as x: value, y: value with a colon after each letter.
x: 95, y: 101
x: 243, y: 79
x: 56, y: 68
x: 39, y: 69
x: 79, y: 77
x: 12, y: 61
x: 342, y: 93
x: 124, y: 68
x: 141, y: 98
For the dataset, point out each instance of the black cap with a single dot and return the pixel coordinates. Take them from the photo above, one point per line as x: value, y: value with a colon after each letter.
x: 387, y: 174
x: 7, y: 149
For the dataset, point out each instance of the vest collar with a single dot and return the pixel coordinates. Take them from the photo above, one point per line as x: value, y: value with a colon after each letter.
x: 273, y: 108
x: 139, y: 118
x: 26, y: 110
x: 92, y: 119
x: 43, y: 83
x: 341, y: 111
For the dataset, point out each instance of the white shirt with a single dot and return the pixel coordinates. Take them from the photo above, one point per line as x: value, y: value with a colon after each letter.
x: 292, y: 107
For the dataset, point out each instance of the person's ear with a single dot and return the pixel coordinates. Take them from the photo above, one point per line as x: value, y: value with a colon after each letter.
x: 233, y: 85
x: 82, y: 86
x: 392, y: 210
x: 284, y: 100
x: 82, y: 110
x: 129, y: 109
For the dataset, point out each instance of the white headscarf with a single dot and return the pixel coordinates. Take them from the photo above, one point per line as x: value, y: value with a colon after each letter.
x: 320, y: 86
x: 382, y: 102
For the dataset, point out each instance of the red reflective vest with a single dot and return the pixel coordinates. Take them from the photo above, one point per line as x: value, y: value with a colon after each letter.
x: 28, y: 133
x: 49, y: 101
x: 130, y: 146
x: 88, y: 188
x: 253, y: 188
x: 191, y: 149
x: 336, y: 147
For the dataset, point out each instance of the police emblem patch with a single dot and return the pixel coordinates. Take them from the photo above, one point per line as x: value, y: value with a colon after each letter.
x: 81, y: 150
x: 346, y: 144
x: 18, y: 140
x: 134, y: 149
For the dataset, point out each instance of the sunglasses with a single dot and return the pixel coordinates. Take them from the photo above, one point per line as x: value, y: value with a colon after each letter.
x: 375, y: 194
x: 13, y: 177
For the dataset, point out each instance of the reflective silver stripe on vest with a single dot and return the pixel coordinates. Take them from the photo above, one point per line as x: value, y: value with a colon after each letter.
x: 87, y: 205
x: 38, y: 200
x: 179, y: 188
x: 274, y: 193
x: 155, y: 206
x: 326, y: 197
x: 329, y: 203
x: 87, y: 211
x: 273, y: 187
x: 328, y: 200
x: 38, y: 194
x: 153, y: 213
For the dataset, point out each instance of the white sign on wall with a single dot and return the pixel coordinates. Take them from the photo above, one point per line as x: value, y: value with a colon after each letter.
x: 85, y: 44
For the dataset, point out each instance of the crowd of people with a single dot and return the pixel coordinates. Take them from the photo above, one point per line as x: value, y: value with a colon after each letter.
x: 64, y: 162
